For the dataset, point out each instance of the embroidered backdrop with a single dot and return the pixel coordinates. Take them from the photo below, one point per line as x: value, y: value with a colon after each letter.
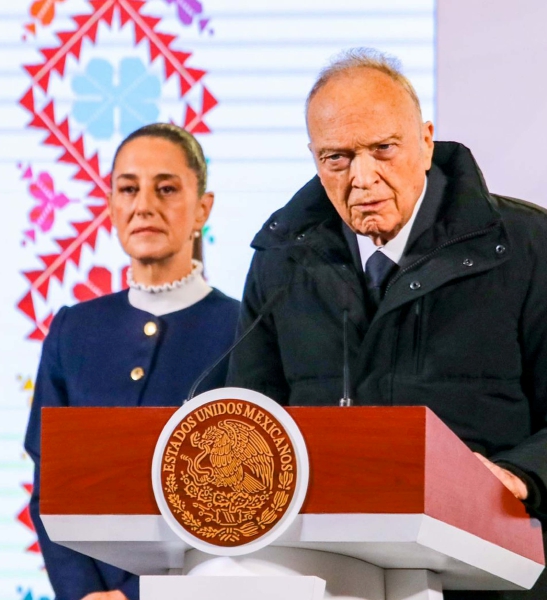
x: 76, y: 77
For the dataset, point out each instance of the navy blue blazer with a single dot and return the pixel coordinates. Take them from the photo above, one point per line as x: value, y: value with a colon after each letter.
x: 98, y: 353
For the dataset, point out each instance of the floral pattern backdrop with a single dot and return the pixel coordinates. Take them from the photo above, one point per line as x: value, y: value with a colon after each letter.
x: 78, y: 76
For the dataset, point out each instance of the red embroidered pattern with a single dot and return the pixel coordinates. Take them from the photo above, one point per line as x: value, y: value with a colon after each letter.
x: 58, y: 131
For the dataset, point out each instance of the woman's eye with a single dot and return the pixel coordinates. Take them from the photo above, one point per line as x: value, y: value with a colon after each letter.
x: 128, y: 189
x: 167, y: 189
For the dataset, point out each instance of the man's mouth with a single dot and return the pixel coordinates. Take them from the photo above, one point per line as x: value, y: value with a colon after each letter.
x: 369, y: 205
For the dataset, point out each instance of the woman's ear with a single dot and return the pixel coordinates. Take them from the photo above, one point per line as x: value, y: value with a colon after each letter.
x: 203, y: 210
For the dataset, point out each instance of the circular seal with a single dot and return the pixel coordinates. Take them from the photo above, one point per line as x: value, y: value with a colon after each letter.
x: 230, y: 471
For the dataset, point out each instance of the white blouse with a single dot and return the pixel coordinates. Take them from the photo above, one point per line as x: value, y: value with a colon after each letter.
x: 167, y: 298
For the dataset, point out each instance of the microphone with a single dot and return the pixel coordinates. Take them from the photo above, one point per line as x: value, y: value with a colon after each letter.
x: 346, y: 400
x: 265, y: 310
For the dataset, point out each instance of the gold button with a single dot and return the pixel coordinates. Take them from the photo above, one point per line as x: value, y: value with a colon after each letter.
x: 150, y: 328
x: 137, y: 373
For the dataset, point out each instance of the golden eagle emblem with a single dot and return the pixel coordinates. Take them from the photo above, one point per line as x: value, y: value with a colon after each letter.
x: 228, y: 472
x: 239, y: 458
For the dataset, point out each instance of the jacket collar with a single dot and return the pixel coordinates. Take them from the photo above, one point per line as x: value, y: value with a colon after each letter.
x: 307, y: 209
x: 457, y: 203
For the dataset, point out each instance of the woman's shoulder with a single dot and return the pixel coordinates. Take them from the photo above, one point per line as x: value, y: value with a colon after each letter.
x: 86, y: 314
x: 108, y: 302
x: 216, y: 312
x: 223, y: 305
x: 79, y: 324
x: 221, y: 298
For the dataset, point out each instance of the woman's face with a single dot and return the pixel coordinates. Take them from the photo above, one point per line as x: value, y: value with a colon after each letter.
x: 154, y: 203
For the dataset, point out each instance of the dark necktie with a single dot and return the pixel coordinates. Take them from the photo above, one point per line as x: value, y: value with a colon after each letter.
x: 378, y: 269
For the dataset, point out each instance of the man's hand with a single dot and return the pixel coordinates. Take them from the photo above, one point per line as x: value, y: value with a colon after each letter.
x: 115, y: 595
x: 515, y: 485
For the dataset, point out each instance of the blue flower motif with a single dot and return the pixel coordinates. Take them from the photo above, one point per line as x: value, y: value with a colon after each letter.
x: 135, y: 97
x: 29, y: 595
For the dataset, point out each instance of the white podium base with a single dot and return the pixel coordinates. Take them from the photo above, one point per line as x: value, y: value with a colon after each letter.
x: 146, y: 545
x: 170, y: 587
x: 413, y: 584
x: 291, y: 574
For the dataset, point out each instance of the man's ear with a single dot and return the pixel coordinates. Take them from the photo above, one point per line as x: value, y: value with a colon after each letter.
x: 428, y: 143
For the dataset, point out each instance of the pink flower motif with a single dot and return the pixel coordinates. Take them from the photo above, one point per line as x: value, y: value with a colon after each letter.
x: 187, y: 9
x: 43, y: 190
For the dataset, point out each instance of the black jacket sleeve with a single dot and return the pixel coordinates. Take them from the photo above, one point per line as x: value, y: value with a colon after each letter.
x: 530, y: 455
x: 256, y: 362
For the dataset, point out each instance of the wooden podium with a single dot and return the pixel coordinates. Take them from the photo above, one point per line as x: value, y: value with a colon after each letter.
x: 397, y: 506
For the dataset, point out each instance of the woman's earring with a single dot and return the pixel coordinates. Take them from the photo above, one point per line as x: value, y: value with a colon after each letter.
x: 197, y: 233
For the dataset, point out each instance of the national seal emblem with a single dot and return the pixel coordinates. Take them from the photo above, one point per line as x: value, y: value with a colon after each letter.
x: 228, y: 471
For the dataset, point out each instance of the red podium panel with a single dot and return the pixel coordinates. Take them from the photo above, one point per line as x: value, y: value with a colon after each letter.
x: 369, y: 466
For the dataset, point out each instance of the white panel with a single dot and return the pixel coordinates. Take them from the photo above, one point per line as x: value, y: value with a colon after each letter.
x: 491, y: 94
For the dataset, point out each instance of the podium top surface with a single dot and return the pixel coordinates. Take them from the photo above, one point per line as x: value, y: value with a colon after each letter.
x: 363, y: 460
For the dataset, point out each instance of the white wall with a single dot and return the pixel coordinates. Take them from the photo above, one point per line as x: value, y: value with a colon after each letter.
x: 492, y: 90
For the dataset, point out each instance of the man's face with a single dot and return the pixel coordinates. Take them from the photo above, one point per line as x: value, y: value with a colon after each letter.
x: 371, y: 150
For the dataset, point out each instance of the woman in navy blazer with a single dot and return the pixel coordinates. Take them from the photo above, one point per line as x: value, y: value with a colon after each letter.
x: 146, y: 345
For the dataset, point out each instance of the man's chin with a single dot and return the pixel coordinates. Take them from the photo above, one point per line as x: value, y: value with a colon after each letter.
x: 375, y: 228
x: 368, y: 227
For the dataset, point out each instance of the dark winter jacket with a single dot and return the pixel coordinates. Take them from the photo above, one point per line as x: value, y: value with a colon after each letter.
x: 462, y: 328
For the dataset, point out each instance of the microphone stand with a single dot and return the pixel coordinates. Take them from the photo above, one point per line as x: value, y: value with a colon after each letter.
x: 265, y: 310
x: 346, y: 400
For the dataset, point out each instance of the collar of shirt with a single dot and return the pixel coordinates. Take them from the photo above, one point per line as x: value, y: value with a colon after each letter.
x: 395, y: 248
x: 169, y: 300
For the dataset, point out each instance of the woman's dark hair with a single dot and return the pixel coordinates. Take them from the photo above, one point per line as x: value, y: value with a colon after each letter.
x: 181, y: 138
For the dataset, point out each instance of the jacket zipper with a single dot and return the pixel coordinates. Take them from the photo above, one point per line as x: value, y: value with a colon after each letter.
x: 426, y: 257
x: 417, y: 334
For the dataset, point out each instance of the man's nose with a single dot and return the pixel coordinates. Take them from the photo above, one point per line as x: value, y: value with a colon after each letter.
x: 364, y: 171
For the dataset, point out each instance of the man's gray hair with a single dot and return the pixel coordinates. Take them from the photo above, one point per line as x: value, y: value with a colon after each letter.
x: 364, y: 58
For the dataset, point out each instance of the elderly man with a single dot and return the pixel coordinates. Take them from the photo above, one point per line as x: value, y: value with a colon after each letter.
x: 443, y: 283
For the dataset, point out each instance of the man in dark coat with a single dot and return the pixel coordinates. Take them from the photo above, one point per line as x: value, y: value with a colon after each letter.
x: 444, y: 284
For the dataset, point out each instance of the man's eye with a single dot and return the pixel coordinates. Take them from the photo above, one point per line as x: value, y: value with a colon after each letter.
x: 336, y: 161
x: 384, y: 147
